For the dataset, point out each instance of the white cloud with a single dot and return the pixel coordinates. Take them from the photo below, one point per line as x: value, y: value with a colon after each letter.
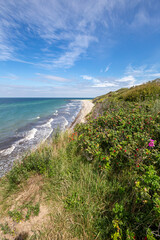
x: 10, y: 77
x: 107, y: 68
x: 53, y: 78
x: 6, y: 51
x: 76, y: 48
x: 86, y: 77
x: 25, y: 91
x: 157, y: 75
x: 93, y: 79
x: 138, y: 75
x: 144, y: 16
x: 71, y: 23
x: 97, y: 83
x: 144, y: 72
x: 127, y: 79
x: 104, y: 84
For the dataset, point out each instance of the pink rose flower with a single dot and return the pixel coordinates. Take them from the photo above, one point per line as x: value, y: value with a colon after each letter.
x: 151, y: 143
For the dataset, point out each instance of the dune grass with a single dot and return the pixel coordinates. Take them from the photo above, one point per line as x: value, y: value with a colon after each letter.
x: 101, y: 181
x: 70, y: 183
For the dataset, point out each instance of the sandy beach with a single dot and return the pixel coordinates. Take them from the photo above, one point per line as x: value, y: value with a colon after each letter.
x: 87, y: 106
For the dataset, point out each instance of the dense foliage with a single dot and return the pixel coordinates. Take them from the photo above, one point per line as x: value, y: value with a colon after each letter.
x: 105, y: 175
x: 123, y: 144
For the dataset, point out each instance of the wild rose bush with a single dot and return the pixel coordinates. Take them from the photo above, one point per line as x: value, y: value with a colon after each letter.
x: 123, y: 144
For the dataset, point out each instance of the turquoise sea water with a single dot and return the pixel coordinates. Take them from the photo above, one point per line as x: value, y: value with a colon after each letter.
x: 26, y: 122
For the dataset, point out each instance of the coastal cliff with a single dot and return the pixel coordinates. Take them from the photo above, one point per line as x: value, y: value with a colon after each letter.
x: 98, y: 181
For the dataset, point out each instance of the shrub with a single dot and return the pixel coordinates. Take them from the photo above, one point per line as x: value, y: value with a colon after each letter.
x: 123, y: 143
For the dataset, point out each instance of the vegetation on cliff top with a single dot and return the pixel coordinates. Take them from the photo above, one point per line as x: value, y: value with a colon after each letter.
x: 146, y: 91
x: 105, y: 175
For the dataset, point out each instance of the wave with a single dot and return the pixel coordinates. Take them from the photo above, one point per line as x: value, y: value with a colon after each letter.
x: 30, y: 135
x: 30, y: 138
x: 56, y: 112
x: 66, y: 122
x: 67, y: 112
x: 38, y: 117
x: 48, y: 124
x: 71, y: 104
x: 7, y: 151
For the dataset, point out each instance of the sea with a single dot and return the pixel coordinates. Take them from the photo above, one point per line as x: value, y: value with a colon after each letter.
x: 27, y: 122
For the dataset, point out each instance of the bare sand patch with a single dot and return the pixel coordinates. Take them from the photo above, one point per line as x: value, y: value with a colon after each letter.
x: 30, y: 192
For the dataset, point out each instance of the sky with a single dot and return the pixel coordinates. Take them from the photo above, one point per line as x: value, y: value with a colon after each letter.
x: 77, y: 48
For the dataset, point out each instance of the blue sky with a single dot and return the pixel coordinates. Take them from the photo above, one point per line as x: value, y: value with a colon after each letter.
x: 77, y: 48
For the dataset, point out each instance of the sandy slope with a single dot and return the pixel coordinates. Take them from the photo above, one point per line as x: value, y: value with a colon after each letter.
x: 86, y: 108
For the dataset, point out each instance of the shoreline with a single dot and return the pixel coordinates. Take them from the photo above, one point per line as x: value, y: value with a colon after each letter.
x: 87, y: 107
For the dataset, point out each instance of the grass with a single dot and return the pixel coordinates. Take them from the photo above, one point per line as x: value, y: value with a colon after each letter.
x: 100, y: 182
x: 143, y: 92
x: 5, y: 228
x: 30, y: 209
x: 79, y: 189
x: 70, y: 183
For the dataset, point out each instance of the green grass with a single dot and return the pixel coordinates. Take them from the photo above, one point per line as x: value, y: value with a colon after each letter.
x: 30, y: 209
x: 69, y: 179
x: 80, y: 189
x: 103, y: 180
x: 15, y: 215
x: 146, y: 91
x: 5, y: 228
